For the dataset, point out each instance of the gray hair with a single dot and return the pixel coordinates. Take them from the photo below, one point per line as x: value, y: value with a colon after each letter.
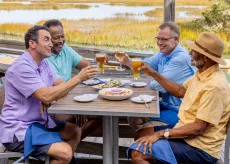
x: 172, y: 26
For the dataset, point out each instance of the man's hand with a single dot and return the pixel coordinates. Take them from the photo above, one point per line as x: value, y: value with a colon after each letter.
x: 43, y: 108
x: 147, y: 141
x: 88, y: 72
x: 146, y: 69
x: 81, y: 120
x: 106, y: 58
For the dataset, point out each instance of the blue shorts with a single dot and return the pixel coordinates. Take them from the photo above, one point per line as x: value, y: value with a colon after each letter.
x: 168, y: 115
x: 175, y: 151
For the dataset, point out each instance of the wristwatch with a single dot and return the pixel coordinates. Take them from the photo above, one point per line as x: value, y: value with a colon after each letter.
x: 166, y: 133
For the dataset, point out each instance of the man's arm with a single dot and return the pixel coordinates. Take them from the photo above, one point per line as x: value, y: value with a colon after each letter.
x: 191, y: 130
x: 170, y: 86
x: 58, y: 81
x: 47, y: 95
x: 82, y: 64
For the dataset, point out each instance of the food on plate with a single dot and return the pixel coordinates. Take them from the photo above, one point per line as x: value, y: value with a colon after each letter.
x: 110, y: 84
x: 110, y: 93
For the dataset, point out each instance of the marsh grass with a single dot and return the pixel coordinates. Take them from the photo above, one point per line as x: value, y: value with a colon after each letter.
x: 159, y: 12
x: 128, y: 2
x: 40, y: 6
x: 117, y: 32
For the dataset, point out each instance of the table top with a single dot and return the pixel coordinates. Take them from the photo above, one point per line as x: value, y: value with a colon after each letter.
x: 100, y: 106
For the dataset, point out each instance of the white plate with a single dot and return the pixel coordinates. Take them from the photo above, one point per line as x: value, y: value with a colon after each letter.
x: 123, y: 82
x: 91, y: 82
x: 138, y: 84
x: 147, y: 98
x: 115, y: 96
x: 85, y: 97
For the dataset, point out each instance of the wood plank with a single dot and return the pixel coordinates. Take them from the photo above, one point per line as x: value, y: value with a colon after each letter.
x: 169, y: 10
x: 16, y: 47
x: 97, y: 149
x: 125, y: 108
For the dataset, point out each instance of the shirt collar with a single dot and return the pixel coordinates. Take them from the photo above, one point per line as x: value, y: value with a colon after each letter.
x: 27, y: 56
x: 204, y: 75
x: 57, y: 55
x: 175, y: 51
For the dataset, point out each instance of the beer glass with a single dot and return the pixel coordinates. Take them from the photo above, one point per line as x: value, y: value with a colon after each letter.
x: 136, y: 64
x: 93, y: 62
x: 120, y: 56
x: 100, y: 58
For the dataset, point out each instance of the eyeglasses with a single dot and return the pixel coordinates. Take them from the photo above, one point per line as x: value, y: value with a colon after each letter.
x: 163, y: 39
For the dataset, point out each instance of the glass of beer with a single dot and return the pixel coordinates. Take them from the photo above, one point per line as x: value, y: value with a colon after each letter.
x: 136, y: 64
x: 100, y: 58
x: 120, y: 56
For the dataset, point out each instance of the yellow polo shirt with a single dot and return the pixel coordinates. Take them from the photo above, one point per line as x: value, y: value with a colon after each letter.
x: 207, y: 98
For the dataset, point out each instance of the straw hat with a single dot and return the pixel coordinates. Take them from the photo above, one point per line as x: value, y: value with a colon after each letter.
x: 209, y: 45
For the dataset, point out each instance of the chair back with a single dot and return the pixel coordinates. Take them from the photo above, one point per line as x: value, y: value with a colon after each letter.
x: 227, y: 145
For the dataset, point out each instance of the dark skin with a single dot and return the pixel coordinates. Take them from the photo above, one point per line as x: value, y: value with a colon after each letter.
x: 87, y: 123
x: 191, y: 130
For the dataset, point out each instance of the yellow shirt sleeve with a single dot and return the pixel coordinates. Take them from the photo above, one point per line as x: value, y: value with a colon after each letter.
x: 211, y: 106
x: 186, y: 83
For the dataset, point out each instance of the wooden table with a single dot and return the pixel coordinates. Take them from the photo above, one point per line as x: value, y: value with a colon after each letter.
x: 110, y: 110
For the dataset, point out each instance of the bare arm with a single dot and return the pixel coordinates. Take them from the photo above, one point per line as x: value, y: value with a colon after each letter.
x: 170, y: 86
x: 58, y: 81
x: 47, y: 95
x: 82, y: 64
x: 191, y: 130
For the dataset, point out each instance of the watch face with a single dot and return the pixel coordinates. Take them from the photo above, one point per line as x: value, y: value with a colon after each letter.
x: 166, y: 134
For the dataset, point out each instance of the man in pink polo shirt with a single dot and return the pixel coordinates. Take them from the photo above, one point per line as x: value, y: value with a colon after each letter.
x: 31, y: 86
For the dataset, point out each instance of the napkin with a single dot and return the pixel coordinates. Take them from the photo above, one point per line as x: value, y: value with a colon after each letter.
x: 87, y: 82
x: 86, y: 97
x: 146, y: 97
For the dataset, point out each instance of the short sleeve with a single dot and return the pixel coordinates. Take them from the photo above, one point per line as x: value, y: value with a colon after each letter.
x: 76, y: 58
x: 211, y: 106
x: 152, y: 61
x: 25, y: 79
x: 187, y: 82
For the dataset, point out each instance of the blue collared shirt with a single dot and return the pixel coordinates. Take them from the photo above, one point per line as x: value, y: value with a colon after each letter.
x: 175, y: 67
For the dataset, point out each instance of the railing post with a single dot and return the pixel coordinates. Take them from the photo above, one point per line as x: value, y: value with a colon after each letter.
x: 169, y: 10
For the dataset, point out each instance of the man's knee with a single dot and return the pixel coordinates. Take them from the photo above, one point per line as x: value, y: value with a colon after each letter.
x: 61, y: 151
x: 136, y: 156
x: 135, y: 122
x: 147, y: 125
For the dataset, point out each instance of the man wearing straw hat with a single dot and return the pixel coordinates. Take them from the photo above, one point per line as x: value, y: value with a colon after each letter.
x: 203, y: 114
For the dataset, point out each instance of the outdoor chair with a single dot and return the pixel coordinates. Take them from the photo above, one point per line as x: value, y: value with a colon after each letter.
x: 5, y: 155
